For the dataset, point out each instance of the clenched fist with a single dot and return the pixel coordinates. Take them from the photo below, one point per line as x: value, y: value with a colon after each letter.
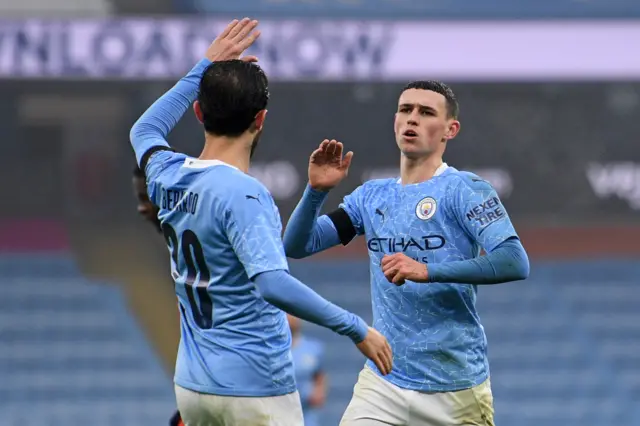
x: 399, y: 267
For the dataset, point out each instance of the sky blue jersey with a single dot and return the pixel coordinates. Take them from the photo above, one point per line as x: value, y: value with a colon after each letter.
x: 220, y: 236
x: 433, y: 328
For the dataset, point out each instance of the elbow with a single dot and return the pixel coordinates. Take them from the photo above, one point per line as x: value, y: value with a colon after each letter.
x: 293, y: 250
x: 136, y: 132
x: 522, y: 271
x: 522, y: 267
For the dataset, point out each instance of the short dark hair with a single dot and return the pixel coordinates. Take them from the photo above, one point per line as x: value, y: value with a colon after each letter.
x: 231, y: 94
x: 453, y: 109
x: 137, y: 172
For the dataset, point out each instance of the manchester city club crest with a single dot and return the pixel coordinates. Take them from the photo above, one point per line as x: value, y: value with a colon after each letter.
x: 426, y: 208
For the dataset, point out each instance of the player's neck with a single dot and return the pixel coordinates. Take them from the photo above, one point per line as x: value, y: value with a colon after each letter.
x: 232, y: 151
x: 416, y: 170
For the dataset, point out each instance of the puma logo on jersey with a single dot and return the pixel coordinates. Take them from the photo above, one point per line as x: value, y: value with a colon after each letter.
x: 253, y: 197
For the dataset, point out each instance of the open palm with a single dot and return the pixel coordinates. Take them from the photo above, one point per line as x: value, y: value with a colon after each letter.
x: 327, y: 166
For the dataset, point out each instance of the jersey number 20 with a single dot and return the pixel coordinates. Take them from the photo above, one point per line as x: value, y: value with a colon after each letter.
x: 191, y: 250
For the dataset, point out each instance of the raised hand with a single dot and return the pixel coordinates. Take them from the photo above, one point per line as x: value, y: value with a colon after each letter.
x: 233, y: 41
x: 377, y: 349
x: 327, y: 166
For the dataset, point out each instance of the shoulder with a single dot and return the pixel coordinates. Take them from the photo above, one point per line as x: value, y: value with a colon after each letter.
x: 375, y: 186
x: 466, y: 180
x: 161, y: 160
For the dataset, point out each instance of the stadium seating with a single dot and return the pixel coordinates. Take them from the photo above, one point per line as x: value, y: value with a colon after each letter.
x: 563, y: 345
x: 71, y: 352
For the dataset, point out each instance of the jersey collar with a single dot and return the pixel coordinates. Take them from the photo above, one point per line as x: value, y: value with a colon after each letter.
x: 194, y: 163
x: 440, y: 170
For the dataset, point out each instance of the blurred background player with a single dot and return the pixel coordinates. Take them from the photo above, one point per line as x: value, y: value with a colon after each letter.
x: 424, y: 232
x: 234, y: 361
x: 310, y: 375
x: 146, y: 209
x: 149, y: 212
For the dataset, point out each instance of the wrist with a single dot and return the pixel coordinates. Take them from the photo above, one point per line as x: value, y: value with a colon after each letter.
x: 423, y: 274
x: 318, y: 190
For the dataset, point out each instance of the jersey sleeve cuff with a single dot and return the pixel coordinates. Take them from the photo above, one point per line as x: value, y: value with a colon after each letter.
x: 315, y: 195
x: 361, y: 330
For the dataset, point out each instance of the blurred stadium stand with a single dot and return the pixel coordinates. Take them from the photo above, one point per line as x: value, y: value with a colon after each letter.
x: 72, y: 352
x: 563, y: 345
x: 413, y: 9
x: 88, y: 323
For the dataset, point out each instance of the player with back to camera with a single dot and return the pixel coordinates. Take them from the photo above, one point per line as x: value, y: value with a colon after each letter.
x: 424, y: 232
x: 222, y: 228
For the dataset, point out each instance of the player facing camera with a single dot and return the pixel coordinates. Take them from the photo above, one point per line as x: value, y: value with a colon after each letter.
x: 427, y: 117
x: 232, y: 102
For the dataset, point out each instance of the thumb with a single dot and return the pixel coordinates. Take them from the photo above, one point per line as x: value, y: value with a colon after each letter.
x: 346, y: 161
x: 249, y: 58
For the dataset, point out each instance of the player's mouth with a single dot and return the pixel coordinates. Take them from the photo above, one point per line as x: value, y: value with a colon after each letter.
x: 410, y: 135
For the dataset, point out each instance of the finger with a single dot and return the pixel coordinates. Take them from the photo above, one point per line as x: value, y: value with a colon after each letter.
x: 389, y: 261
x: 249, y: 58
x: 385, y: 259
x: 346, y: 161
x: 228, y: 30
x: 247, y: 42
x: 324, y: 144
x: 398, y: 279
x: 339, y: 149
x: 388, y: 363
x: 390, y: 274
x: 236, y: 29
x: 379, y: 364
x: 389, y: 353
x: 331, y: 148
x: 245, y: 30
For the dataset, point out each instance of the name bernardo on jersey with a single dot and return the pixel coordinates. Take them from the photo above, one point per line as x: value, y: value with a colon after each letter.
x: 179, y: 200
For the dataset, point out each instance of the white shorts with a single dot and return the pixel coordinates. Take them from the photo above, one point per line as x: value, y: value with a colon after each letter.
x: 200, y: 409
x: 377, y: 402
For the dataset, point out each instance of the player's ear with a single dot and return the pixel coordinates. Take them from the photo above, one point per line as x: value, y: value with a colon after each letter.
x: 198, y: 111
x: 453, y: 130
x: 259, y: 120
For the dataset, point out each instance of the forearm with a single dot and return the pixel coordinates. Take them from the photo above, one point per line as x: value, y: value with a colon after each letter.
x: 287, y: 293
x: 508, y: 262
x: 306, y: 233
x: 154, y: 125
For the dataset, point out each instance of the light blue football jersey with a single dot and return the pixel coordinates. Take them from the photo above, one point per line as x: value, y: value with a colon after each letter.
x: 222, y: 228
x: 434, y: 329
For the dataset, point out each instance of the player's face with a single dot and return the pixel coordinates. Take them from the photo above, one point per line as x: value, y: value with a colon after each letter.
x: 145, y: 208
x: 422, y: 126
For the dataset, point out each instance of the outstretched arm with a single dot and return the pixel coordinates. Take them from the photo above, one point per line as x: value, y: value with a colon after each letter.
x: 148, y: 135
x: 306, y: 233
